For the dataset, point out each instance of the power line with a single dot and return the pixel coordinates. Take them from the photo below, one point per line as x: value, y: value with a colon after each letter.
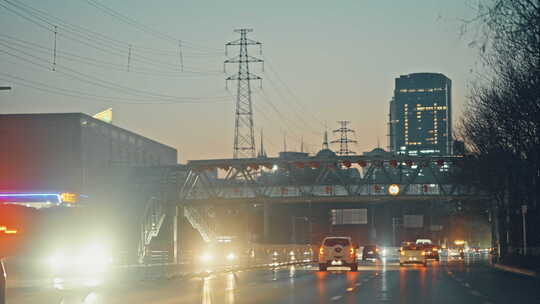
x: 296, y: 100
x: 89, y: 79
x: 291, y: 123
x: 292, y: 110
x: 82, y: 36
x: 146, y: 29
x: 52, y: 20
x: 27, y: 45
x: 82, y: 95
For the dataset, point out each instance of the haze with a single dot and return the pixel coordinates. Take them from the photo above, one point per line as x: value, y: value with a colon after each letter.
x: 339, y: 60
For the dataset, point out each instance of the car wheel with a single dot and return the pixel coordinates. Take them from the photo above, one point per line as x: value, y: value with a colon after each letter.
x: 354, y: 267
x: 322, y: 267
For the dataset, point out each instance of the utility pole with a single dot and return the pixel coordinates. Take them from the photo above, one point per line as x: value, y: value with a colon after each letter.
x: 524, y: 223
x: 244, y: 139
x: 344, y: 140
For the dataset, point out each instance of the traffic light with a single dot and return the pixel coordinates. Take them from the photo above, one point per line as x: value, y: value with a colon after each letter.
x: 16, y: 222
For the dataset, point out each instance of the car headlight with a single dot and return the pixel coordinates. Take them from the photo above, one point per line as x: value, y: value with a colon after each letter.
x: 57, y: 261
x: 231, y: 256
x: 92, y: 259
x: 206, y: 257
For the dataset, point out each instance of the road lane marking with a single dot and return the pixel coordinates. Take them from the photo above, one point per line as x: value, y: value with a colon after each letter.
x: 335, y: 298
x: 467, y: 285
x: 358, y: 284
x: 476, y: 293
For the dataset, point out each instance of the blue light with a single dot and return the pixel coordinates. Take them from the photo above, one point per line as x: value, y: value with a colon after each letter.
x: 31, y: 197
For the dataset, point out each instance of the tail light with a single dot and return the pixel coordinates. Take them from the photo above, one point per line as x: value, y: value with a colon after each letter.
x: 351, y: 252
x: 423, y: 253
x: 321, y: 251
x: 6, y: 230
x: 434, y: 249
x: 402, y: 252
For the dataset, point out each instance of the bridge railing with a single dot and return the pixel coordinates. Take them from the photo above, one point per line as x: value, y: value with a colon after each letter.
x: 352, y: 176
x: 199, y: 222
x: 152, y: 220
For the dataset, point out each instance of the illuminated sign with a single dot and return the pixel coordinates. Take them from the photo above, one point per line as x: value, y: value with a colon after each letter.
x: 105, y: 116
x: 34, y: 199
x: 68, y: 197
x: 393, y: 189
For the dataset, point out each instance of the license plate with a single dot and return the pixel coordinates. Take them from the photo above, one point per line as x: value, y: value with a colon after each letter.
x: 412, y: 259
x: 337, y: 263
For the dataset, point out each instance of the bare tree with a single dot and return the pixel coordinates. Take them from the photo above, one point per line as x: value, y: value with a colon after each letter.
x: 501, y: 123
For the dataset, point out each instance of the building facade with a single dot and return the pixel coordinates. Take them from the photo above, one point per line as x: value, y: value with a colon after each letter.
x: 71, y: 152
x: 420, y: 118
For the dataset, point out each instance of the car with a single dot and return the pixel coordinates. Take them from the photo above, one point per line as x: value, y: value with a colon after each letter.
x: 412, y: 254
x: 432, y: 252
x: 337, y: 251
x: 370, y: 252
x: 389, y: 253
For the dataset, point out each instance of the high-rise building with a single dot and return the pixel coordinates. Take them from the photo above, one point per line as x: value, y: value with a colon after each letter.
x: 420, y: 119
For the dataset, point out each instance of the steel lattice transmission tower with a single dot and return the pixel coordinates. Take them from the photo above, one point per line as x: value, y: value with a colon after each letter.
x: 344, y: 140
x: 244, y: 139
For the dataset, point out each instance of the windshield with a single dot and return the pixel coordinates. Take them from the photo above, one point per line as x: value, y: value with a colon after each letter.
x: 271, y: 151
x: 413, y: 247
x: 336, y: 241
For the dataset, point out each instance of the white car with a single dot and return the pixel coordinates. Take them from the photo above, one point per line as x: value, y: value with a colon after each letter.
x: 337, y: 251
x: 412, y: 254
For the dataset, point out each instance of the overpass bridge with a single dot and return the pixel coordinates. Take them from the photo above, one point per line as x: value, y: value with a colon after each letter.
x: 324, y: 180
x: 329, y: 179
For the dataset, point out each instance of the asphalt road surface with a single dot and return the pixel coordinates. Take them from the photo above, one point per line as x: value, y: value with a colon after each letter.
x: 470, y: 281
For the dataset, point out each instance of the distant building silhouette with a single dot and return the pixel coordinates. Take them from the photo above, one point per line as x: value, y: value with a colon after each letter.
x: 420, y: 119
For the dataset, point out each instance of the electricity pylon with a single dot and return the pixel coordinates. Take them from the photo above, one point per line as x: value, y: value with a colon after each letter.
x: 244, y: 139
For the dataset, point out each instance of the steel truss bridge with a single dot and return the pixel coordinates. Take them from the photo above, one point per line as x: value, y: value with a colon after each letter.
x: 324, y: 179
x: 331, y: 179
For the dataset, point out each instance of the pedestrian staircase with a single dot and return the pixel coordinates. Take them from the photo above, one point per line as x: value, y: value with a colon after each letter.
x: 199, y: 221
x: 152, y: 221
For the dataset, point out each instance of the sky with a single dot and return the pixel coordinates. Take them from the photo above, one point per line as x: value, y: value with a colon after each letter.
x: 324, y: 61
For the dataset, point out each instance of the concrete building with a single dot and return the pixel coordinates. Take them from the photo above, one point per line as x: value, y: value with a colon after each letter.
x: 420, y: 119
x: 71, y: 152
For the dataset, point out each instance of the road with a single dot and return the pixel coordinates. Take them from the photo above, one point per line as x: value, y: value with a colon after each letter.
x: 470, y: 281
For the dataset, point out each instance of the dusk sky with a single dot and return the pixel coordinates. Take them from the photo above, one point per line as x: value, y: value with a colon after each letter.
x: 324, y: 61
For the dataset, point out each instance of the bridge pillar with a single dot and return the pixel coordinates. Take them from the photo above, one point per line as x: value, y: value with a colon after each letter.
x: 177, y: 233
x: 267, y: 212
x: 373, y: 229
